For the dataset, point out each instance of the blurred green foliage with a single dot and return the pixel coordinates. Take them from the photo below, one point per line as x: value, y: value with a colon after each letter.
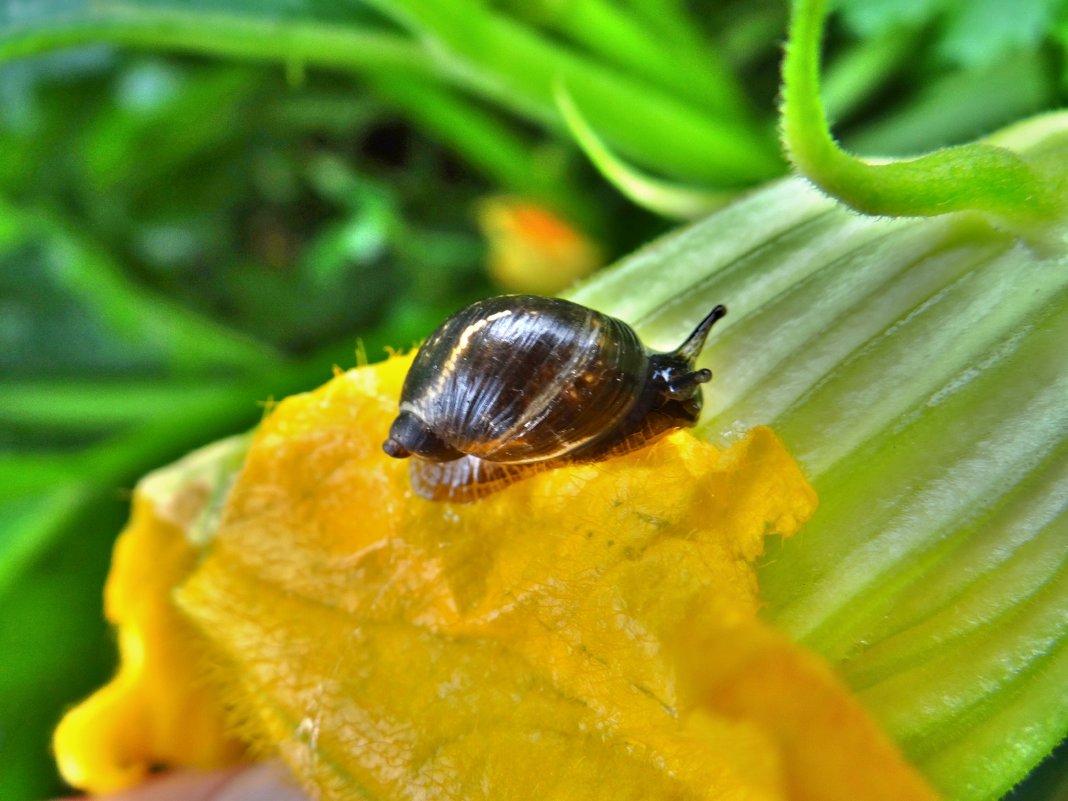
x: 204, y: 205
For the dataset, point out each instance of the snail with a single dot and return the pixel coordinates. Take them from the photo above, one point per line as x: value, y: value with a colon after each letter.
x: 517, y: 384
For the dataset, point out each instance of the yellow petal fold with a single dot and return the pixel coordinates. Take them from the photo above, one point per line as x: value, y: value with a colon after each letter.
x: 158, y: 711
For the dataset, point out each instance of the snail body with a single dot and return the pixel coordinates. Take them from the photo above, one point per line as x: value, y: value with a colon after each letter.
x: 516, y: 384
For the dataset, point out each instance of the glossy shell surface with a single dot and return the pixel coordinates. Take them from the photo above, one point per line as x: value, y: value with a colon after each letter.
x: 524, y: 378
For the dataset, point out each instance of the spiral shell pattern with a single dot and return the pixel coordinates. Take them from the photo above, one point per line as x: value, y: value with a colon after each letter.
x: 524, y: 378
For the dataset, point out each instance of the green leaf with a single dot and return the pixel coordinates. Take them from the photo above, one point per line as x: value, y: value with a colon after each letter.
x: 1048, y: 782
x: 916, y: 369
x: 675, y: 60
x: 30, y: 523
x: 864, y: 68
x: 982, y: 31
x: 958, y: 106
x: 96, y: 405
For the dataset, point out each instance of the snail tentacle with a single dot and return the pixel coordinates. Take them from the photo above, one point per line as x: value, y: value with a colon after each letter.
x: 695, y: 342
x: 682, y: 387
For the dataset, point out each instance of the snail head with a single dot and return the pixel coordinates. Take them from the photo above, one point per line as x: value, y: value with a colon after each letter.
x: 678, y: 382
x: 410, y: 435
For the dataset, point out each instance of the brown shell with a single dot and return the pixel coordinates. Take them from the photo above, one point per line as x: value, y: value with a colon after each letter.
x: 525, y: 378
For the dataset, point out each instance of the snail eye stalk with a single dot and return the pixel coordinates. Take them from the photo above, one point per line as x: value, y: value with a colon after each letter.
x: 695, y: 342
x: 683, y: 387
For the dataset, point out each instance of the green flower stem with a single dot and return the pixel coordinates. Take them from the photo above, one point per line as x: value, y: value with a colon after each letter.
x: 976, y: 177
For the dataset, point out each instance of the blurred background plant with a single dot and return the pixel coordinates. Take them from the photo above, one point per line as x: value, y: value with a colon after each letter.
x: 205, y: 205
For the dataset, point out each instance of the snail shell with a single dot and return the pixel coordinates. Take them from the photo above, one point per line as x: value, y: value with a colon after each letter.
x: 517, y: 384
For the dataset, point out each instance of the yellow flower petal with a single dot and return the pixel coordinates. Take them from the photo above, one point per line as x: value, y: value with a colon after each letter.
x: 158, y: 710
x: 828, y: 747
x: 588, y: 633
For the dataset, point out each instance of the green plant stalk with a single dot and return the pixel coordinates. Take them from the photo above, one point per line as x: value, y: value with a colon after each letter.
x: 980, y: 177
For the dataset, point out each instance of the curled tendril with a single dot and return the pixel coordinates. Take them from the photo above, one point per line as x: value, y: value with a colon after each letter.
x: 979, y: 177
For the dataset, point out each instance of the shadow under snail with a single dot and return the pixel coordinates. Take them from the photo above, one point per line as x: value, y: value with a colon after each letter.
x: 514, y: 385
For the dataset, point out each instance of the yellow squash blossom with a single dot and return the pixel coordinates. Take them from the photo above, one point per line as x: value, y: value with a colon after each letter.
x: 589, y: 633
x: 532, y: 249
